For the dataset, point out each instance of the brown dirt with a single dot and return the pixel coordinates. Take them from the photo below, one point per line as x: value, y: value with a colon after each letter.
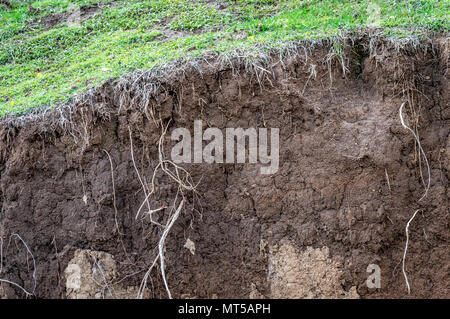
x: 313, y: 227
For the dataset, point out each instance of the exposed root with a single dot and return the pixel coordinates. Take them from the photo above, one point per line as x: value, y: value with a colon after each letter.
x: 144, y: 188
x: 406, y: 249
x: 421, y: 150
x: 336, y: 52
x: 144, y: 281
x: 387, y: 179
x: 27, y: 293
x: 115, y: 205
x: 114, y: 193
x: 162, y: 241
x: 427, y: 186
x: 185, y: 182
x: 183, y: 179
x: 140, y: 89
x: 312, y: 72
x: 105, y: 285
x: 18, y: 286
x: 160, y: 256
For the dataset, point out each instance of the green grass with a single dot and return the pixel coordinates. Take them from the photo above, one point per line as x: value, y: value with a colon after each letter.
x: 42, y: 64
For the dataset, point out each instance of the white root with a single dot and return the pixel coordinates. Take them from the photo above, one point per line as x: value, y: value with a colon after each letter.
x: 421, y: 150
x: 137, y: 172
x: 406, y: 249
x: 427, y: 187
x: 18, y: 286
x: 27, y: 293
x: 387, y: 179
x: 183, y: 179
x: 114, y: 193
x: 161, y: 245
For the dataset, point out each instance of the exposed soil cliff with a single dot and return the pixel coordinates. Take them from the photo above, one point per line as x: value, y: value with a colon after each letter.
x: 348, y: 181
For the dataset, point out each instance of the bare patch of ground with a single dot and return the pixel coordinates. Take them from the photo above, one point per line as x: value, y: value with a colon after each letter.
x: 84, y: 14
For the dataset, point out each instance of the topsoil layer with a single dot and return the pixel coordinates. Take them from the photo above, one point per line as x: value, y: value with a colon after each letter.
x: 349, y: 180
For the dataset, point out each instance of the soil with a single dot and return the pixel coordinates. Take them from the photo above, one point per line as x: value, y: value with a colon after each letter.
x: 348, y: 182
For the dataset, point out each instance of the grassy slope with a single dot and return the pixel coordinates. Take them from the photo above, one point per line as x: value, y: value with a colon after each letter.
x: 42, y: 64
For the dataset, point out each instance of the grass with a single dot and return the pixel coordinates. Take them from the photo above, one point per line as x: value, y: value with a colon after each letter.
x: 44, y: 63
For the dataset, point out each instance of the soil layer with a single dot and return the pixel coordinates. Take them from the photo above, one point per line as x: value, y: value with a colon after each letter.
x: 348, y: 181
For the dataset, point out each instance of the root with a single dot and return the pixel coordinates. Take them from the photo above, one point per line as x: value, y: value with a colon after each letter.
x: 115, y: 205
x: 160, y: 255
x: 427, y: 187
x: 387, y: 179
x: 312, y: 72
x: 406, y: 249
x: 184, y: 183
x: 336, y: 52
x: 183, y: 179
x: 105, y: 285
x: 161, y: 245
x: 27, y: 293
x: 18, y: 286
x: 114, y: 193
x: 137, y: 172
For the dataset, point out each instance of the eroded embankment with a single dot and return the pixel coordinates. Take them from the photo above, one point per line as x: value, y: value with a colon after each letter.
x: 348, y: 182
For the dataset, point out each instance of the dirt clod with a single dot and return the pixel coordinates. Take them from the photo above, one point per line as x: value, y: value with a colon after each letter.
x: 310, y: 274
